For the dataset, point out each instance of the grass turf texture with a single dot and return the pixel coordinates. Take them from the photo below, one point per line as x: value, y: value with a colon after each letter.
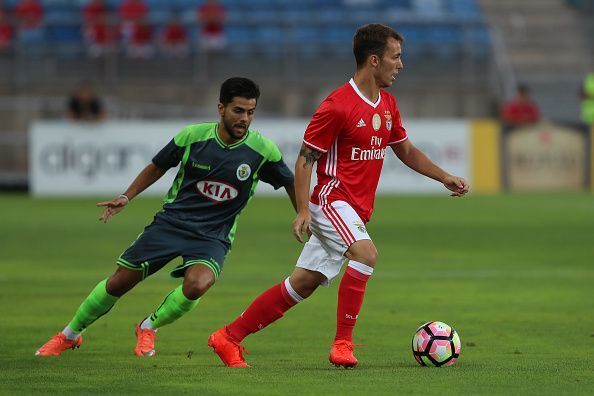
x: 512, y: 274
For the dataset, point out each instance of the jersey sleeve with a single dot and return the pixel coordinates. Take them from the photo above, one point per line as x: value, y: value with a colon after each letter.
x: 277, y: 174
x: 169, y: 156
x: 398, y: 134
x: 324, y: 127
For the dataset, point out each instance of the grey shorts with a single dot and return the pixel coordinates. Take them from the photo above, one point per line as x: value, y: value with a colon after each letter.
x: 161, y: 242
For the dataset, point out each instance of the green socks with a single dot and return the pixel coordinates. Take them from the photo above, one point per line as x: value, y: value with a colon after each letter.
x: 172, y: 308
x: 97, y: 304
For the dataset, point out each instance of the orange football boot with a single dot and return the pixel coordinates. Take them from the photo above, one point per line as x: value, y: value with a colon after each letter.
x: 229, y: 350
x: 341, y: 354
x: 58, y: 344
x: 145, y: 342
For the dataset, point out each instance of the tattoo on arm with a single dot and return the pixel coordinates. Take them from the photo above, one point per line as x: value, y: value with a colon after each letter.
x: 310, y: 155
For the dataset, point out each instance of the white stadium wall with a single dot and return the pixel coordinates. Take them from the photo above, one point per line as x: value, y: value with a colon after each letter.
x: 70, y: 159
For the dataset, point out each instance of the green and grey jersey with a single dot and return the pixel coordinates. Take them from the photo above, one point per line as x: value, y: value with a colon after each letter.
x: 215, y: 181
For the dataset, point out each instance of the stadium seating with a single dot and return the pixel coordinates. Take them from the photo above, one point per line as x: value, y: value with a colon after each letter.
x: 307, y: 27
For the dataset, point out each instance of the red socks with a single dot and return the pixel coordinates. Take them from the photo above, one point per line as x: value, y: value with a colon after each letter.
x: 274, y: 302
x: 350, y: 298
x: 265, y: 309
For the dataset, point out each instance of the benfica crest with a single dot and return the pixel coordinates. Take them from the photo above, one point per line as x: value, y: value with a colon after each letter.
x: 388, y: 120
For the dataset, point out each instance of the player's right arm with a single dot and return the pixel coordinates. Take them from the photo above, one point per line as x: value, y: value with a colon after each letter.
x: 303, y: 170
x: 150, y: 174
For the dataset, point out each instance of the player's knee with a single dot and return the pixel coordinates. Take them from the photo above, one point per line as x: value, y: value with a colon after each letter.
x: 122, y: 281
x: 306, y: 289
x: 367, y: 256
x: 306, y: 282
x: 370, y: 258
x: 196, y: 287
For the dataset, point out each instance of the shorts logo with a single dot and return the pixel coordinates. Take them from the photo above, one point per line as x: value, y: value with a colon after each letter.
x: 360, y: 226
x: 216, y: 191
x: 376, y: 121
x: 243, y: 172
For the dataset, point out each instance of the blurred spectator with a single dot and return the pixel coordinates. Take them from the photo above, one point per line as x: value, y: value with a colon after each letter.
x: 29, y: 18
x: 6, y: 32
x: 211, y: 16
x: 131, y: 12
x: 521, y: 109
x: 173, y: 40
x: 140, y: 44
x: 29, y: 14
x: 85, y: 105
x: 587, y: 96
x: 94, y: 10
x: 101, y: 36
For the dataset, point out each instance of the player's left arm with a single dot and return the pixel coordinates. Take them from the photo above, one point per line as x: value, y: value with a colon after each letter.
x: 277, y: 174
x: 290, y: 189
x: 415, y: 159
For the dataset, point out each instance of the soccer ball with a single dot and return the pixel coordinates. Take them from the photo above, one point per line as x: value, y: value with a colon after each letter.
x: 436, y: 344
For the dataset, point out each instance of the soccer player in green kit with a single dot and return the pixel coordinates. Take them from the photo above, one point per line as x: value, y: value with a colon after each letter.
x: 221, y: 164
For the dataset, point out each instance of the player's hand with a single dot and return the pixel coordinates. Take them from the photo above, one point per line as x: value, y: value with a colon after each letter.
x: 301, y: 226
x: 457, y: 185
x: 112, y: 207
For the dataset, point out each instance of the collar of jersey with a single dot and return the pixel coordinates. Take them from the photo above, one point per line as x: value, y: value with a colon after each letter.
x: 369, y: 102
x: 229, y: 146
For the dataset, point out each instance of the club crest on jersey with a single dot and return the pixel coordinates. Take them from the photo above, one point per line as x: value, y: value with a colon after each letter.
x: 243, y: 172
x: 216, y: 190
x: 388, y: 120
x: 376, y: 121
x: 360, y: 226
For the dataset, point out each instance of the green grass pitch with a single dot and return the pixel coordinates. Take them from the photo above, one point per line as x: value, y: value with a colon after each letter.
x: 513, y: 274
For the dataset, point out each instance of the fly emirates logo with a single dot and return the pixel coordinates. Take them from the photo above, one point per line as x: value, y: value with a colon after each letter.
x: 359, y: 154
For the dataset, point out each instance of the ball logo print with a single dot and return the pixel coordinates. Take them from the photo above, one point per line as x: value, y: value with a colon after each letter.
x: 243, y: 172
x: 436, y: 344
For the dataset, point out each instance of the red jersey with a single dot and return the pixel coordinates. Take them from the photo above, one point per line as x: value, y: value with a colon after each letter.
x: 133, y: 11
x: 29, y: 14
x: 212, y: 17
x: 353, y: 134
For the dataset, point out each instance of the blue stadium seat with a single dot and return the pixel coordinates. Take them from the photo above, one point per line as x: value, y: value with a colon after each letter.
x: 329, y: 15
x: 445, y: 41
x: 261, y: 16
x: 241, y: 40
x: 270, y: 40
x: 337, y: 39
x: 183, y: 4
x: 64, y: 34
x: 479, y: 41
x: 296, y: 15
x: 159, y: 17
x: 404, y: 4
x: 62, y: 15
x: 429, y: 8
x: 306, y: 40
x: 362, y: 16
x: 463, y: 9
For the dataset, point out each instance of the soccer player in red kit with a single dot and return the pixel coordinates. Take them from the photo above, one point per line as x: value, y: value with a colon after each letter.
x: 348, y: 137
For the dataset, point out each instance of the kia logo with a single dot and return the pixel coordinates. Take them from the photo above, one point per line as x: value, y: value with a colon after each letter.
x: 217, y: 191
